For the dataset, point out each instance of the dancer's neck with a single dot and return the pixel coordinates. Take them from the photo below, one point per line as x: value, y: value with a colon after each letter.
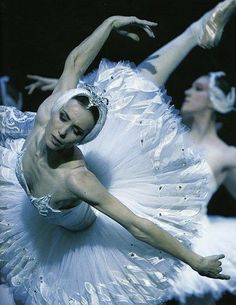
x: 53, y: 156
x: 203, y: 126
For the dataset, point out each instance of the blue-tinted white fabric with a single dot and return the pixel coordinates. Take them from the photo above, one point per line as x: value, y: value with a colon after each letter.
x: 217, y: 236
x: 80, y: 256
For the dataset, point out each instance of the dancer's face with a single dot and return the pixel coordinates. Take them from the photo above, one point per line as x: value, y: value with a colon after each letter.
x: 197, y: 97
x: 68, y: 126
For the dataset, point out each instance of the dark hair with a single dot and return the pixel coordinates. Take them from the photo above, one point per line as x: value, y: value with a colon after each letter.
x: 222, y: 83
x: 95, y: 112
x: 84, y: 101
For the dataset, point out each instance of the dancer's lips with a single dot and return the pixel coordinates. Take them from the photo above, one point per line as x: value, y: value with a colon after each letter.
x: 56, y: 141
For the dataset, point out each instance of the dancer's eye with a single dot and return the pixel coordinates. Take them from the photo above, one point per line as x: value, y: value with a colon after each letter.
x: 62, y: 117
x: 77, y: 131
x: 199, y: 88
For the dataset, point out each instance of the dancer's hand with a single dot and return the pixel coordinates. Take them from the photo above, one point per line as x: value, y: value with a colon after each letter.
x: 41, y: 83
x: 210, y: 266
x: 121, y: 21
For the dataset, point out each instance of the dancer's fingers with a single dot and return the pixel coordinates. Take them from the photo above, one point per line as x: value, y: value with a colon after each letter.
x: 146, y: 22
x: 34, y: 77
x: 222, y: 276
x: 32, y: 87
x: 128, y: 34
x: 40, y: 79
x: 217, y: 257
x: 220, y: 256
x: 31, y: 90
x: 146, y: 26
x: 133, y: 36
x: 148, y: 30
x: 47, y: 87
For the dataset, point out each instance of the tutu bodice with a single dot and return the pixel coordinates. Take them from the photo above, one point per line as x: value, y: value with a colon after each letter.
x: 74, y: 219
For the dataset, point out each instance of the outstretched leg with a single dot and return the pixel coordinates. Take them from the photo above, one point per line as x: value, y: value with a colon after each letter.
x: 206, y: 32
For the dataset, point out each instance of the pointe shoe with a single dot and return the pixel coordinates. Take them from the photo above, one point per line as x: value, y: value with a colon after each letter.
x: 209, y: 29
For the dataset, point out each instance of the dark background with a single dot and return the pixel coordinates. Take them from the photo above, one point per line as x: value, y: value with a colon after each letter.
x: 36, y: 37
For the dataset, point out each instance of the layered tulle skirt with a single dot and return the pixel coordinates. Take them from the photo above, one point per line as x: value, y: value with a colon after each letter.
x: 143, y: 157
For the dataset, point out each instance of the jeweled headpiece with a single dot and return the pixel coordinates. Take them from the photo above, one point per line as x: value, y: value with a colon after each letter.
x: 221, y: 102
x: 95, y: 99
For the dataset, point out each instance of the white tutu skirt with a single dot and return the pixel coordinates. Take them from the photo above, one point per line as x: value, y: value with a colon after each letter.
x: 142, y: 158
x: 218, y: 236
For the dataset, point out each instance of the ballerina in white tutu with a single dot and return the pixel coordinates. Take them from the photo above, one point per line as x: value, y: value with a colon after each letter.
x: 68, y: 238
x: 201, y: 103
x: 209, y: 94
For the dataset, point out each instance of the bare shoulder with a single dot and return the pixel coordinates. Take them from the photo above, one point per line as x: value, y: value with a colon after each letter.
x: 79, y: 178
x: 44, y: 110
x: 231, y: 156
x: 85, y: 185
x: 228, y: 153
x: 80, y: 183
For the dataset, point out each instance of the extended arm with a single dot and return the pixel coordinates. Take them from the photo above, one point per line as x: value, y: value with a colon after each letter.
x: 82, y: 56
x: 85, y: 185
x: 161, y: 64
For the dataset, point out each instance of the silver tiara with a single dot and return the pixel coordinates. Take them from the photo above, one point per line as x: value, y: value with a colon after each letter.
x: 96, y: 98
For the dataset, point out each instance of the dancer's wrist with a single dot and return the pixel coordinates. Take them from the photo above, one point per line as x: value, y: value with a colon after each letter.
x: 110, y: 22
x: 196, y: 261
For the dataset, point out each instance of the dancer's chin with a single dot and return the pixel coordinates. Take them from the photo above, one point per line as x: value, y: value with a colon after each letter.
x: 53, y: 144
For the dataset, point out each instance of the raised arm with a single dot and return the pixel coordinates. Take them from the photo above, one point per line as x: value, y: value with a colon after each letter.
x: 82, y: 56
x: 86, y: 186
x: 205, y: 32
